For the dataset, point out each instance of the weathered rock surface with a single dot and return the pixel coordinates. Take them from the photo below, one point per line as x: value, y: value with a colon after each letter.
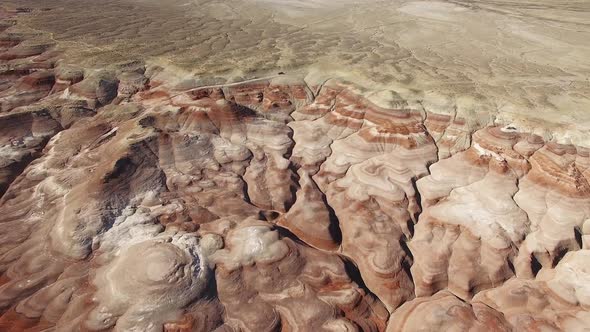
x: 132, y: 200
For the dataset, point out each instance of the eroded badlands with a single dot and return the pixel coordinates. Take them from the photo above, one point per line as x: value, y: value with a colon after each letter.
x: 131, y: 202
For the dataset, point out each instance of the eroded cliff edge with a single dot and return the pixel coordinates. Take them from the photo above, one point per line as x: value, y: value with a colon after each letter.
x: 131, y: 201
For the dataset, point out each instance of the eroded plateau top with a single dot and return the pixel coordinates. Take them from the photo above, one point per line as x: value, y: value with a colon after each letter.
x: 519, y: 62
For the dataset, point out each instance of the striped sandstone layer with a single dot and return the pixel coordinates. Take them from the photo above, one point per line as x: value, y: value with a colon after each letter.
x: 130, y: 200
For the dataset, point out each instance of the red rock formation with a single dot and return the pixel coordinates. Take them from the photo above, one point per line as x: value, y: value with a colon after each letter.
x: 132, y: 201
x: 555, y: 184
x: 445, y: 312
x: 288, y: 285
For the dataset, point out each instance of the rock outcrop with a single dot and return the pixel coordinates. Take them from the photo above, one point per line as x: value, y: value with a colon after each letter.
x: 131, y: 200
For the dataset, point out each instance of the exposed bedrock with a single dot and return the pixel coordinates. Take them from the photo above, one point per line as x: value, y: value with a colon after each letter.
x: 289, y: 286
x: 554, y: 301
x: 133, y: 200
x: 469, y: 233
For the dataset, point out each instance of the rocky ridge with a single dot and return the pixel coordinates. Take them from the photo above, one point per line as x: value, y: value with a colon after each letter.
x: 131, y: 201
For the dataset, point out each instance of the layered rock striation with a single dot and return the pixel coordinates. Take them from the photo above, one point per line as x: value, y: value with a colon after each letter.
x: 131, y: 201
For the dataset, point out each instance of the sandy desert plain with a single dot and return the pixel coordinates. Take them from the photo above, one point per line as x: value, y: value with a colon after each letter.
x: 294, y: 165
